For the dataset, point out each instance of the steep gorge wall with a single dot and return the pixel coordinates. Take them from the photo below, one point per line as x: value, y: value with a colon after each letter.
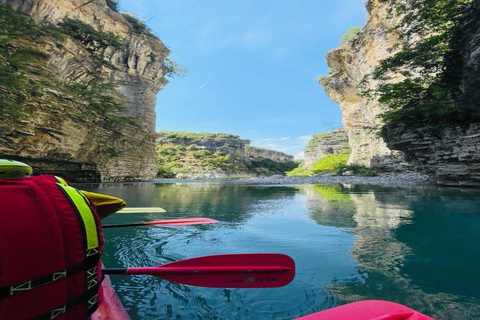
x: 351, y: 65
x: 450, y: 152
x: 447, y: 151
x: 58, y: 136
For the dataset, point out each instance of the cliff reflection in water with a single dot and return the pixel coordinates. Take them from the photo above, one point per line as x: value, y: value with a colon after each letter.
x: 418, y: 247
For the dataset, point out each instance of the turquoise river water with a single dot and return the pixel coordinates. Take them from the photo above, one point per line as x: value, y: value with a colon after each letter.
x: 416, y: 246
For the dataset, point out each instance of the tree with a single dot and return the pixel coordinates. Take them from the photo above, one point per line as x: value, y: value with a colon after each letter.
x: 174, y: 68
x: 424, y: 93
x: 350, y: 35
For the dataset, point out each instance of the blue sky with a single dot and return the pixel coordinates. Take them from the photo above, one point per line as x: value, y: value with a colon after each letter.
x: 251, y: 65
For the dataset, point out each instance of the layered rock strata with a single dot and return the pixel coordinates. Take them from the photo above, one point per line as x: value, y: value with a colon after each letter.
x: 60, y: 135
x: 451, y: 154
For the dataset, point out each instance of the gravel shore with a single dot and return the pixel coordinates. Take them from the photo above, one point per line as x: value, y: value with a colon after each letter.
x: 386, y: 179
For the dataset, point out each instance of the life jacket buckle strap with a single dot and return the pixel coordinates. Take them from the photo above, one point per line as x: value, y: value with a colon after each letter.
x: 92, y: 301
x: 57, y: 312
x: 92, y: 283
x: 24, y: 286
x: 92, y: 252
x: 59, y: 275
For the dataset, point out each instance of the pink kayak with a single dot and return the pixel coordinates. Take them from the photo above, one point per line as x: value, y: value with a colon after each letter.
x: 110, y: 308
x: 368, y: 310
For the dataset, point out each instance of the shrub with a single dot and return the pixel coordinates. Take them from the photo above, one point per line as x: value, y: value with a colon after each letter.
x: 356, y: 170
x: 350, y: 35
x: 113, y: 4
x: 298, y: 172
x: 329, y: 164
x: 138, y: 25
x: 94, y: 40
x: 174, y: 68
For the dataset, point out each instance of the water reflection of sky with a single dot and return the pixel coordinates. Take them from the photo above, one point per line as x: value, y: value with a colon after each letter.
x: 418, y: 247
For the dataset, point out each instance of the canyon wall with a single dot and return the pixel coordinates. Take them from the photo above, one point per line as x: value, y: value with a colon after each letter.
x: 447, y: 151
x: 212, y: 155
x: 351, y: 65
x: 63, y: 135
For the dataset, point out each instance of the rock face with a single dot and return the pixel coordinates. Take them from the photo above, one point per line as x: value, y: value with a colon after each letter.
x: 253, y: 154
x: 466, y: 64
x: 210, y: 155
x: 60, y: 135
x: 451, y: 154
x: 448, y: 152
x: 352, y: 63
x: 324, y: 144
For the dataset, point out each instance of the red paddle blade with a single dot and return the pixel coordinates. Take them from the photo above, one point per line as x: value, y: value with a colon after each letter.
x: 256, y: 270
x: 181, y: 222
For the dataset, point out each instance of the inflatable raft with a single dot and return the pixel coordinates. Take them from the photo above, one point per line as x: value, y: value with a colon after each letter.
x: 110, y: 307
x: 368, y: 310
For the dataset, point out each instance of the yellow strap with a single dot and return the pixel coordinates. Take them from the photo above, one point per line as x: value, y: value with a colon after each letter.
x: 86, y: 214
x: 61, y: 181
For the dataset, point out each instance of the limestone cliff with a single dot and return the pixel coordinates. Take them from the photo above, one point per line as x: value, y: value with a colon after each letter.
x: 324, y: 144
x: 351, y: 64
x: 211, y: 155
x: 446, y: 149
x: 66, y: 130
x: 449, y: 151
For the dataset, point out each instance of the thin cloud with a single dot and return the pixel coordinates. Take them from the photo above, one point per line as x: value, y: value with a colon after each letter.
x: 203, y: 85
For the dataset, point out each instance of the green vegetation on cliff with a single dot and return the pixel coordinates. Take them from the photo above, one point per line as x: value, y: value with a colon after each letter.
x: 350, y: 35
x: 428, y: 91
x: 330, y: 163
x: 176, y: 160
x: 185, y: 154
x: 196, y: 136
x: 26, y: 80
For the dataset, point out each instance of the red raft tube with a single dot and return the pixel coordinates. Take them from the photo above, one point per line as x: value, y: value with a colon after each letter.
x: 110, y: 307
x: 368, y: 310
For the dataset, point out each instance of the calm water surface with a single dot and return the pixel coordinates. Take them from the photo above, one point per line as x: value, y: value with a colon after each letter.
x: 418, y: 247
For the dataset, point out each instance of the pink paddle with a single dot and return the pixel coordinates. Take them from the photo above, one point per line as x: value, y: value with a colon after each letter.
x: 252, y: 270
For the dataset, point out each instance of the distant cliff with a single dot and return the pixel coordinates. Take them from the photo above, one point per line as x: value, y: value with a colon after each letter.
x: 323, y: 144
x: 438, y: 132
x: 81, y: 89
x: 216, y: 155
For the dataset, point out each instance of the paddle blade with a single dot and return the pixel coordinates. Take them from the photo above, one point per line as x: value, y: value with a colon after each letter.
x: 256, y: 270
x: 180, y: 222
x: 142, y: 210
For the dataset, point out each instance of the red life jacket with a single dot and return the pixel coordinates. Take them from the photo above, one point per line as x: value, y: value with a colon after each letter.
x: 50, y: 246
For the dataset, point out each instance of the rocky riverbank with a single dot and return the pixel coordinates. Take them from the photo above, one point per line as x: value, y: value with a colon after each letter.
x: 387, y: 179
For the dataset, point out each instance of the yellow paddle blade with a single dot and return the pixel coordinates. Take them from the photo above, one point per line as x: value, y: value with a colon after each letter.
x: 143, y: 210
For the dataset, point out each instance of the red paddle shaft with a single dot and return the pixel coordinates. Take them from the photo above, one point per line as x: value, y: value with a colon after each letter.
x: 171, y: 222
x: 256, y: 270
